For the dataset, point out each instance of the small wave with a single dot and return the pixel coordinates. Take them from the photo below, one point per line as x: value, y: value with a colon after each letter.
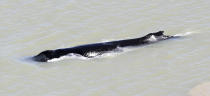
x: 58, y: 59
x: 185, y: 34
x: 91, y: 54
x: 77, y: 56
x: 69, y: 56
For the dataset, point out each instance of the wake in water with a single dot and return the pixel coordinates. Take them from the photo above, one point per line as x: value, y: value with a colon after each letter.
x: 93, y: 54
x: 185, y: 34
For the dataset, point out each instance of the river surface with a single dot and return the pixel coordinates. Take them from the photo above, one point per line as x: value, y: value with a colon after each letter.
x: 168, y: 68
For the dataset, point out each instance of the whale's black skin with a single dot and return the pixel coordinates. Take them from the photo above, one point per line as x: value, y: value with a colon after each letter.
x: 100, y: 47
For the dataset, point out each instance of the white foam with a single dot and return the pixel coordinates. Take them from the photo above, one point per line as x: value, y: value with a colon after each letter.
x: 93, y: 54
x: 58, y: 59
x: 152, y: 38
x: 184, y: 34
x: 108, y: 54
x: 72, y: 56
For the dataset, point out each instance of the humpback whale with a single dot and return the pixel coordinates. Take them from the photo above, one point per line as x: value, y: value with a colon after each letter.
x: 100, y: 48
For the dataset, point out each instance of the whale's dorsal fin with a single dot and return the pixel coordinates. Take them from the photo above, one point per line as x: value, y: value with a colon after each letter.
x: 159, y: 33
x: 154, y: 36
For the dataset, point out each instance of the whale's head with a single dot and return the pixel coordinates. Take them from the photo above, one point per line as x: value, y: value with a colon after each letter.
x: 157, y: 36
x: 44, y: 56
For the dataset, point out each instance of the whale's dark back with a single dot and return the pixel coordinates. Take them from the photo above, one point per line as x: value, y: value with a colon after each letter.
x: 99, y: 47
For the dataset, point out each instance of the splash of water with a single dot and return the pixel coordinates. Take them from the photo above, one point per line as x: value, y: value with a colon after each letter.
x: 94, y: 54
x: 71, y: 55
x: 185, y: 34
x: 152, y: 39
x: 58, y: 59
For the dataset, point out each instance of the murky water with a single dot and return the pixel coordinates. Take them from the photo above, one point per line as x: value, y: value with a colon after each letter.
x: 168, y: 68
